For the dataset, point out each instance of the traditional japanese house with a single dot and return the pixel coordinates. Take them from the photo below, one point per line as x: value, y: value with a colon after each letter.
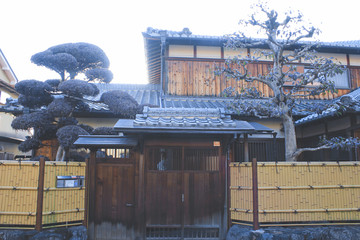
x: 166, y: 174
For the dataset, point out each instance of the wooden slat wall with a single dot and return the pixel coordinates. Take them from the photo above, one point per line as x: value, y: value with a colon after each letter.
x: 197, y: 78
x: 293, y: 193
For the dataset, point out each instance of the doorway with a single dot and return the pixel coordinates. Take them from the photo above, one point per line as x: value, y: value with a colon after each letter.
x: 113, y: 206
x: 184, y: 192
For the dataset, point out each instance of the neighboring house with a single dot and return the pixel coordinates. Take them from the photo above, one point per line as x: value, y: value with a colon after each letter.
x: 166, y: 174
x: 9, y: 138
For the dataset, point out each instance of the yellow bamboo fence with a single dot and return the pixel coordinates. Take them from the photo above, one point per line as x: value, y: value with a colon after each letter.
x: 295, y: 193
x: 22, y: 205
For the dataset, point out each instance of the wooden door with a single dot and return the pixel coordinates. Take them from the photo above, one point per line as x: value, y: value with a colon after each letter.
x: 184, y: 192
x: 164, y: 190
x: 114, y: 203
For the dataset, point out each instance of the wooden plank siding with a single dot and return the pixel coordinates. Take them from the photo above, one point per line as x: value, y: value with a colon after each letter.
x: 196, y: 77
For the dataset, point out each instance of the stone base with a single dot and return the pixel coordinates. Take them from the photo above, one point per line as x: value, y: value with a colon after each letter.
x: 71, y: 233
x: 238, y: 232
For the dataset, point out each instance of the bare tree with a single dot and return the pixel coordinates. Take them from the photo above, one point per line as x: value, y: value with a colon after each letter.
x: 285, y: 44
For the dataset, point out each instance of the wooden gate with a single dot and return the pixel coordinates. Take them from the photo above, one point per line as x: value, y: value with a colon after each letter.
x: 113, y: 205
x: 184, y: 193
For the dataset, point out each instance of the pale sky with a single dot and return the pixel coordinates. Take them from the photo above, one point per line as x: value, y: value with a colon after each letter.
x: 28, y: 27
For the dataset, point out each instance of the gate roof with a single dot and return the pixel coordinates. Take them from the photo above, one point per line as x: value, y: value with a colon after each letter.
x: 187, y: 120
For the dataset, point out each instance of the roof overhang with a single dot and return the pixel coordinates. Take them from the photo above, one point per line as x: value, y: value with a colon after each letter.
x: 5, y: 66
x: 11, y: 139
x: 105, y: 141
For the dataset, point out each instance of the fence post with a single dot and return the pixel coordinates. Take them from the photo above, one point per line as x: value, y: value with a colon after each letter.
x: 255, y: 195
x: 86, y: 204
x: 40, y: 195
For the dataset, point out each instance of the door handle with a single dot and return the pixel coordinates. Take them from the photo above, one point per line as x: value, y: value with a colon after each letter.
x: 129, y: 204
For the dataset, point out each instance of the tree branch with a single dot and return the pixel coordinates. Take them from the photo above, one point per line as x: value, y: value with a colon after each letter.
x: 297, y: 153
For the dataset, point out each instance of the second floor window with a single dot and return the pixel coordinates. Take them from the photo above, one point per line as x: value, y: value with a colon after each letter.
x: 341, y: 80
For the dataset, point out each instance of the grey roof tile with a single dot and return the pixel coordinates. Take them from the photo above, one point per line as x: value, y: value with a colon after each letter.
x: 302, y: 107
x: 353, y: 98
x: 185, y: 35
x: 147, y: 94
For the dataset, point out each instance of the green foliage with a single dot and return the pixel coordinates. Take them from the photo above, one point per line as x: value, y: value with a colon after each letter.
x: 32, y: 120
x: 121, y: 103
x: 67, y: 135
x: 99, y: 74
x: 35, y: 101
x: 72, y: 58
x: 29, y: 144
x: 32, y: 87
x: 60, y: 107
x: 78, y: 88
x: 104, y: 131
x: 68, y: 60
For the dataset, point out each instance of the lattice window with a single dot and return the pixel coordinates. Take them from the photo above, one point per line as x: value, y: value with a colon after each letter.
x: 191, y: 159
x: 113, y: 153
x: 164, y: 159
x: 201, y: 159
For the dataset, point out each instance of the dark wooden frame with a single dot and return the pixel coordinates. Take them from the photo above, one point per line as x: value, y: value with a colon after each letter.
x: 140, y: 159
x: 196, y: 143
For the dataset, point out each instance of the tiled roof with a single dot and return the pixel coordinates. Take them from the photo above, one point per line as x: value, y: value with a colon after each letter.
x: 302, y: 107
x: 146, y: 94
x: 191, y: 120
x: 188, y: 117
x: 352, y: 44
x: 187, y: 34
x: 351, y: 99
x: 105, y: 141
x: 142, y: 93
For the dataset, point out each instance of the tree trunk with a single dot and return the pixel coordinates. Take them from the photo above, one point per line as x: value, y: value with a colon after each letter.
x: 290, y: 138
x: 60, y: 155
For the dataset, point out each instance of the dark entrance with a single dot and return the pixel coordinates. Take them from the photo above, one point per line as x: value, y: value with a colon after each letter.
x: 184, y: 192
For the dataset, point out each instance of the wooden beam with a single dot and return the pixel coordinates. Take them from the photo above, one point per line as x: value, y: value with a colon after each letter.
x: 255, y: 195
x: 40, y: 195
x: 140, y: 206
x: 246, y: 148
x: 87, y: 186
x: 92, y: 189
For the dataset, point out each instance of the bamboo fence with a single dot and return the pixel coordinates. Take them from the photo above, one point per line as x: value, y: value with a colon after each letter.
x: 22, y: 205
x: 323, y: 193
